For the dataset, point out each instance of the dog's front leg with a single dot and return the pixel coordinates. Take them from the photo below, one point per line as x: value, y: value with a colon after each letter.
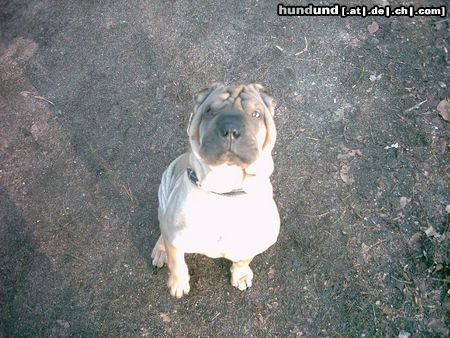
x: 241, y: 274
x: 178, y: 271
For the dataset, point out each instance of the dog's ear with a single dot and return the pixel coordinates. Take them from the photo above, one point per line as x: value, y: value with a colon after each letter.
x: 264, y: 165
x: 270, y: 104
x: 268, y: 100
x: 199, y: 98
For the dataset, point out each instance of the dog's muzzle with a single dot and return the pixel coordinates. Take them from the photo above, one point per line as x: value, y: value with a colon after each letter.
x: 230, y: 128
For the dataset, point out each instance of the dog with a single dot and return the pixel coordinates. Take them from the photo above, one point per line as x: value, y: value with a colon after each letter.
x: 217, y: 199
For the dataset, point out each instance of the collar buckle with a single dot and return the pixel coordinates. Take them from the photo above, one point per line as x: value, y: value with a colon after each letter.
x: 194, y: 180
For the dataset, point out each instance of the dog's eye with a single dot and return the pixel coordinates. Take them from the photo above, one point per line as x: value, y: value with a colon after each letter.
x: 209, y: 112
x: 256, y: 114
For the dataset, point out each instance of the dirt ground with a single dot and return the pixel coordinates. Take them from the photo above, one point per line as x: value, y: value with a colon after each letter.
x: 94, y: 101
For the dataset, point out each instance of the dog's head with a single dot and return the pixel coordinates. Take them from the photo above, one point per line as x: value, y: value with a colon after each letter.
x: 233, y: 125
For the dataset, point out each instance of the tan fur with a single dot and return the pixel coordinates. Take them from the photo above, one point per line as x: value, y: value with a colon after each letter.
x: 198, y: 219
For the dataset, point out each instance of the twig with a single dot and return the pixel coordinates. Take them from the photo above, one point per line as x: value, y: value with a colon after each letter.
x: 441, y: 280
x: 374, y: 318
x: 360, y: 77
x: 76, y: 257
x: 315, y: 283
x: 371, y: 135
x: 377, y: 243
x: 129, y: 193
x: 440, y: 21
x: 416, y: 106
x: 27, y: 93
x: 399, y: 280
x: 345, y: 131
x: 356, y: 212
x: 311, y: 60
x: 304, y: 49
x: 318, y: 216
x: 217, y: 315
x: 44, y: 99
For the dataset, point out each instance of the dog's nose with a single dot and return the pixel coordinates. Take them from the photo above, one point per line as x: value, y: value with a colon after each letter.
x: 229, y: 129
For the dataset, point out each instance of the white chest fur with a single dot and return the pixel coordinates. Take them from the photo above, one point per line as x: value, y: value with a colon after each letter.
x: 234, y: 227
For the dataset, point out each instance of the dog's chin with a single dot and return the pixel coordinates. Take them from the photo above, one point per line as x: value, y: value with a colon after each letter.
x: 229, y: 158
x: 223, y: 178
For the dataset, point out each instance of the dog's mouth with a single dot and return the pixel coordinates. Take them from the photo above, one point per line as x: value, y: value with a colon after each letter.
x: 231, y: 158
x: 230, y: 153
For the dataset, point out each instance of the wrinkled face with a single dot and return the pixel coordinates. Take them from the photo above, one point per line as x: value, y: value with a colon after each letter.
x: 229, y: 125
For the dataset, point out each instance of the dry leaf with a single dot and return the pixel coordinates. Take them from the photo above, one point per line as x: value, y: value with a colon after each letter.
x: 349, y: 153
x: 447, y: 208
x: 444, y: 109
x: 355, y: 43
x: 430, y: 232
x: 437, y: 326
x: 345, y: 174
x: 373, y: 27
x: 64, y: 323
x: 404, y: 201
x: 301, y: 98
x: 439, y: 145
x: 414, y: 240
x: 165, y: 317
x: 365, y: 252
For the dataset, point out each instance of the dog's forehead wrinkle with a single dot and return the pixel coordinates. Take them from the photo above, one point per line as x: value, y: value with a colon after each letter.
x: 235, y: 90
x: 246, y: 98
x: 216, y: 105
x: 250, y: 106
x: 237, y: 104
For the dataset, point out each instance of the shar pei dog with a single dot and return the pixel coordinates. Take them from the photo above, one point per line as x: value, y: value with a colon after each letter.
x: 217, y: 199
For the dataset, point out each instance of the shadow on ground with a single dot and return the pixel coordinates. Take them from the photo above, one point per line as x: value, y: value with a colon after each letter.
x: 94, y: 101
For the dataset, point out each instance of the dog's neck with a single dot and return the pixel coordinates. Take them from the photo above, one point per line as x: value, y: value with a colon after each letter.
x: 227, y: 180
x: 218, y: 179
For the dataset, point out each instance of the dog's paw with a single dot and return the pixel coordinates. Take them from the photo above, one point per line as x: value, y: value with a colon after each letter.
x: 159, y: 253
x: 242, y: 278
x: 179, y: 285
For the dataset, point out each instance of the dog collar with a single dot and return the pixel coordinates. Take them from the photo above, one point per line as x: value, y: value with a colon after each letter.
x: 194, y: 179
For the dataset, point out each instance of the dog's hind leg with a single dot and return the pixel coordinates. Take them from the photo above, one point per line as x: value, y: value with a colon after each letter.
x: 159, y: 253
x: 241, y: 274
x: 178, y: 282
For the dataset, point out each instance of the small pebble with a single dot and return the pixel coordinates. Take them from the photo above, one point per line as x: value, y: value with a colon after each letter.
x: 372, y: 42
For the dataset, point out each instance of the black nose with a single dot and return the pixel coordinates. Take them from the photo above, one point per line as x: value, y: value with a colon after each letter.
x: 229, y: 129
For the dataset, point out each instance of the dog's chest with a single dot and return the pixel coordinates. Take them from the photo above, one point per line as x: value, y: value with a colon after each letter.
x: 234, y: 227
